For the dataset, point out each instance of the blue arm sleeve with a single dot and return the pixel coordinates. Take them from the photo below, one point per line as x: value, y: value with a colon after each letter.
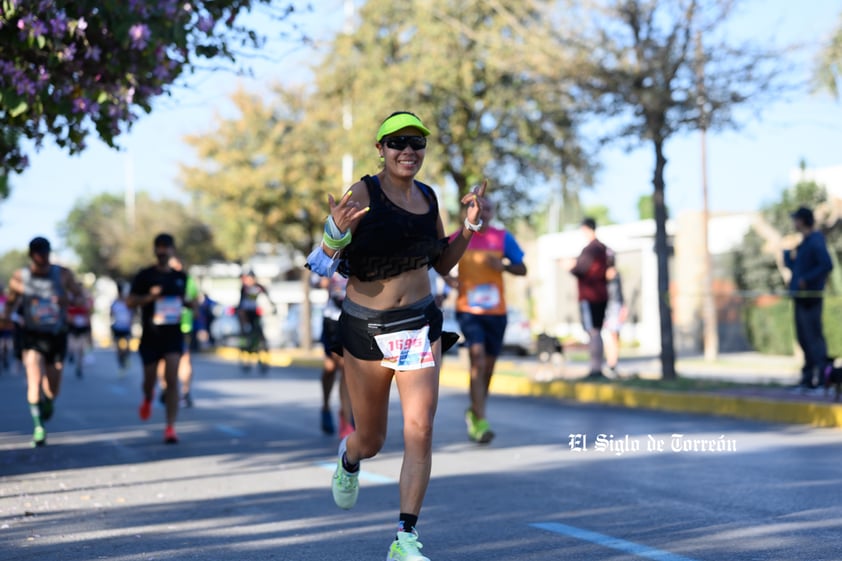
x: 511, y: 250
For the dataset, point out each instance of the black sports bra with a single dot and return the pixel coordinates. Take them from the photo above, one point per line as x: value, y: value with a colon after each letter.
x: 389, y: 240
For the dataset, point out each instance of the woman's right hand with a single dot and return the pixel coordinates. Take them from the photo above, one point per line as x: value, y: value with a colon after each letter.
x: 346, y: 213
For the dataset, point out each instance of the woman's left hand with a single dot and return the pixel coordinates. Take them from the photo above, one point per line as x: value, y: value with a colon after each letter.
x: 474, y: 202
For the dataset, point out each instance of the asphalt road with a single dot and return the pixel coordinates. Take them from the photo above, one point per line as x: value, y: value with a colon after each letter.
x: 250, y: 480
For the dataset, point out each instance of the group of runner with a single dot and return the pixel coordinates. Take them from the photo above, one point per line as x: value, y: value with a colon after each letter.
x: 382, y: 324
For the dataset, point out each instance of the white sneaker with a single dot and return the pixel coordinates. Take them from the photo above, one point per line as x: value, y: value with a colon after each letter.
x: 406, y: 547
x: 345, y: 486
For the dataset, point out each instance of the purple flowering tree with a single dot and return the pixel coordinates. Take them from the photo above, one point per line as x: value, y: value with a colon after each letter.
x: 70, y: 68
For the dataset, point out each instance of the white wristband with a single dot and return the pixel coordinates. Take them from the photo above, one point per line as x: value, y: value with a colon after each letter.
x: 473, y: 227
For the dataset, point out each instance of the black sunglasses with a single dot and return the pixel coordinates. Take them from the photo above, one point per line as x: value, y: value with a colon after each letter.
x: 401, y: 142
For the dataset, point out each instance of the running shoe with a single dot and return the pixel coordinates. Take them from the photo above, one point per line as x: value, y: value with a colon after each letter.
x: 39, y: 437
x: 45, y: 406
x: 345, y: 486
x: 169, y: 435
x: 187, y: 400
x: 478, y: 429
x: 483, y: 433
x: 145, y: 410
x: 406, y: 547
x: 327, y: 422
x: 163, y: 397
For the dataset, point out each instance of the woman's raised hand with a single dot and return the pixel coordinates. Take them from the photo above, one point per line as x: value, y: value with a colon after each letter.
x: 346, y: 213
x: 474, y: 201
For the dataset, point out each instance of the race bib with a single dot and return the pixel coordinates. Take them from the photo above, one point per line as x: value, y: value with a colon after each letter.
x: 406, y: 350
x: 248, y: 305
x: 484, y: 296
x: 80, y: 321
x: 167, y: 310
x: 122, y: 318
x: 44, y: 312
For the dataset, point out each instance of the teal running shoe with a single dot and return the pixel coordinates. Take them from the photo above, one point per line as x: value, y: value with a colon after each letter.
x: 406, y: 547
x: 39, y: 437
x: 345, y: 486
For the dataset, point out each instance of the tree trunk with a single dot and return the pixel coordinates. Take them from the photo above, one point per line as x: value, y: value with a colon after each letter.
x: 662, y: 251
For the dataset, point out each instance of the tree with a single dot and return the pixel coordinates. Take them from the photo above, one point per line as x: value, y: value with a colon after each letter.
x: 829, y: 70
x: 600, y: 213
x: 759, y: 270
x: 9, y: 263
x: 657, y: 68
x: 71, y: 68
x: 470, y: 71
x: 101, y: 234
x: 264, y: 174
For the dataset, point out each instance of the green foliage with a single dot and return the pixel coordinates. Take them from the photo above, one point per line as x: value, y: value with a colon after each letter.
x: 652, y: 69
x: 68, y: 69
x: 646, y: 208
x: 110, y: 242
x: 829, y: 68
x: 755, y: 268
x: 758, y: 270
x: 770, y: 328
x: 481, y: 76
x: 832, y: 326
x: 9, y: 263
x: 264, y: 175
x: 600, y: 213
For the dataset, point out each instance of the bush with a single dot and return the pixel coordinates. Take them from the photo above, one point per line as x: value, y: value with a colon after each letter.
x: 771, y: 330
x: 769, y: 327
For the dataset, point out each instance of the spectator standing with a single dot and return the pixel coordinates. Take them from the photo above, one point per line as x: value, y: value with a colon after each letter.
x: 810, y: 264
x: 589, y: 269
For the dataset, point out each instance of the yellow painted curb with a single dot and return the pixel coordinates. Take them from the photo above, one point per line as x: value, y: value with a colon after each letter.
x: 754, y: 408
x: 276, y: 357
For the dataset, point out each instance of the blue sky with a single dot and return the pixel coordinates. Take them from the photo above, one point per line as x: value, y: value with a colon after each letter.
x: 746, y: 168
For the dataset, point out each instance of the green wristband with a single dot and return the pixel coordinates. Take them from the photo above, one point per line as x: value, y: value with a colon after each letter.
x: 335, y: 244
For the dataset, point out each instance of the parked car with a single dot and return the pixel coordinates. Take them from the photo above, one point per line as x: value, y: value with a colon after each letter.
x: 225, y: 328
x: 291, y: 326
x: 518, y: 336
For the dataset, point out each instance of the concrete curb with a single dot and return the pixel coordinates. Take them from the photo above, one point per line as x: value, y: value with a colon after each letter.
x: 707, y: 403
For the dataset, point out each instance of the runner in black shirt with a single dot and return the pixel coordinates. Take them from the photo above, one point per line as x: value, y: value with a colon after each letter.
x: 160, y: 292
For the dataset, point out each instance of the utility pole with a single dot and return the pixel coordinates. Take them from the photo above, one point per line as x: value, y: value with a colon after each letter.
x: 709, y: 319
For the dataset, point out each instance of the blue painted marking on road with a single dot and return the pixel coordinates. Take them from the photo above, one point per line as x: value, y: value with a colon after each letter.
x: 365, y: 476
x: 610, y: 542
x: 230, y: 431
x: 118, y: 390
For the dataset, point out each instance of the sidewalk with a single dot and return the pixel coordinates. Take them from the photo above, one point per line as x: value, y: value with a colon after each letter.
x: 754, y: 386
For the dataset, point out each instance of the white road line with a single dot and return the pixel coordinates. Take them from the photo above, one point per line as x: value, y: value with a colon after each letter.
x: 230, y: 431
x: 365, y: 476
x: 118, y: 390
x: 611, y: 542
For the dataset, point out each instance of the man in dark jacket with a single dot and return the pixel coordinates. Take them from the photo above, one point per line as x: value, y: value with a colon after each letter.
x: 810, y: 264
